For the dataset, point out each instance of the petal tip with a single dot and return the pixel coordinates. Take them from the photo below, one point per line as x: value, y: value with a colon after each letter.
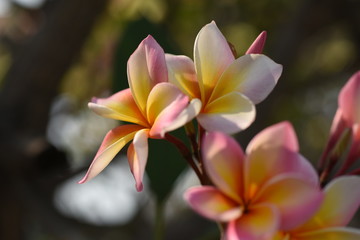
x: 139, y: 187
x: 91, y: 104
x: 149, y: 38
x: 286, y: 125
x: 94, y: 100
x: 258, y: 45
x: 278, y: 135
x: 190, y: 194
x: 83, y: 180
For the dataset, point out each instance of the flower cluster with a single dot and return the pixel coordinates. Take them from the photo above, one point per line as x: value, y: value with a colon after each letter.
x: 268, y: 192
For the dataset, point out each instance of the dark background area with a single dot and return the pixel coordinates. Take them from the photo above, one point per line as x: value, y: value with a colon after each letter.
x: 56, y: 54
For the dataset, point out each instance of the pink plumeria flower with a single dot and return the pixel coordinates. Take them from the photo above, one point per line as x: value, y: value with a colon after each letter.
x: 347, y: 117
x: 341, y: 201
x: 349, y: 105
x: 270, y: 188
x: 227, y: 87
x: 152, y: 105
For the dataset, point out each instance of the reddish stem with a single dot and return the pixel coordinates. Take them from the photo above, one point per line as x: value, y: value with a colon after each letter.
x: 337, y: 129
x: 328, y: 169
x: 350, y: 160
x: 186, y: 154
x: 190, y: 132
x: 355, y: 172
x: 201, y: 162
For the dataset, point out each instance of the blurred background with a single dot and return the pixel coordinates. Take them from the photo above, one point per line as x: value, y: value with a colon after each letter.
x: 56, y: 54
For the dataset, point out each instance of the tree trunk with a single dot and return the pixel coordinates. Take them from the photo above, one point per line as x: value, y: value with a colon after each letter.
x: 28, y: 90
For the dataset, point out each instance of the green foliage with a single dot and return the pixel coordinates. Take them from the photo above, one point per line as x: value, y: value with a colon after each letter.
x: 164, y: 166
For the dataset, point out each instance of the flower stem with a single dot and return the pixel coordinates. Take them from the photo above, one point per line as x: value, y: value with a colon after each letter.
x: 190, y: 132
x: 221, y: 227
x: 324, y: 176
x: 186, y: 154
x: 349, y: 161
x: 201, y: 163
x: 159, y: 221
x: 355, y: 172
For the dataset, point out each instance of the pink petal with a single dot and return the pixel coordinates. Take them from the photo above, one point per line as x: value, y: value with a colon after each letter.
x: 263, y: 164
x: 166, y: 102
x: 231, y: 113
x: 182, y: 73
x: 253, y: 75
x: 278, y: 135
x: 146, y: 67
x: 211, y: 203
x: 212, y: 55
x: 120, y: 106
x: 113, y: 142
x: 258, y: 45
x: 349, y: 99
x: 330, y: 234
x: 338, y: 125
x: 296, y: 199
x: 260, y: 223
x: 137, y: 156
x: 189, y: 113
x: 342, y: 200
x: 223, y: 161
x: 356, y: 134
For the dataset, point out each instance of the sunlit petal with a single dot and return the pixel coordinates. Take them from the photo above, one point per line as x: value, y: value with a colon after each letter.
x: 282, y: 236
x: 161, y: 126
x: 342, y: 200
x: 296, y: 199
x: 254, y: 75
x: 163, y: 95
x: 258, y: 45
x: 113, y: 142
x: 223, y: 160
x: 120, y: 106
x: 263, y: 164
x: 212, y: 55
x: 137, y: 155
x: 182, y: 73
x: 330, y: 234
x: 211, y: 203
x: 146, y: 67
x: 260, y: 223
x: 278, y: 135
x: 165, y: 103
x: 230, y: 114
x: 349, y: 99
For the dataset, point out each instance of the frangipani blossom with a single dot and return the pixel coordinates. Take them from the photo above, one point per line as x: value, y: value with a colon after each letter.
x: 347, y: 117
x: 349, y: 105
x: 349, y: 100
x: 152, y: 105
x: 227, y: 87
x: 341, y: 201
x: 270, y: 188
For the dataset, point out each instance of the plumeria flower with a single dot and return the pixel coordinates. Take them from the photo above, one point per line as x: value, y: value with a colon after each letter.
x: 341, y: 201
x: 151, y: 105
x: 227, y: 87
x: 270, y: 188
x: 347, y: 117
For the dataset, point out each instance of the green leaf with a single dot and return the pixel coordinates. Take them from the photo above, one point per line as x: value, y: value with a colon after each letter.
x: 164, y: 166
